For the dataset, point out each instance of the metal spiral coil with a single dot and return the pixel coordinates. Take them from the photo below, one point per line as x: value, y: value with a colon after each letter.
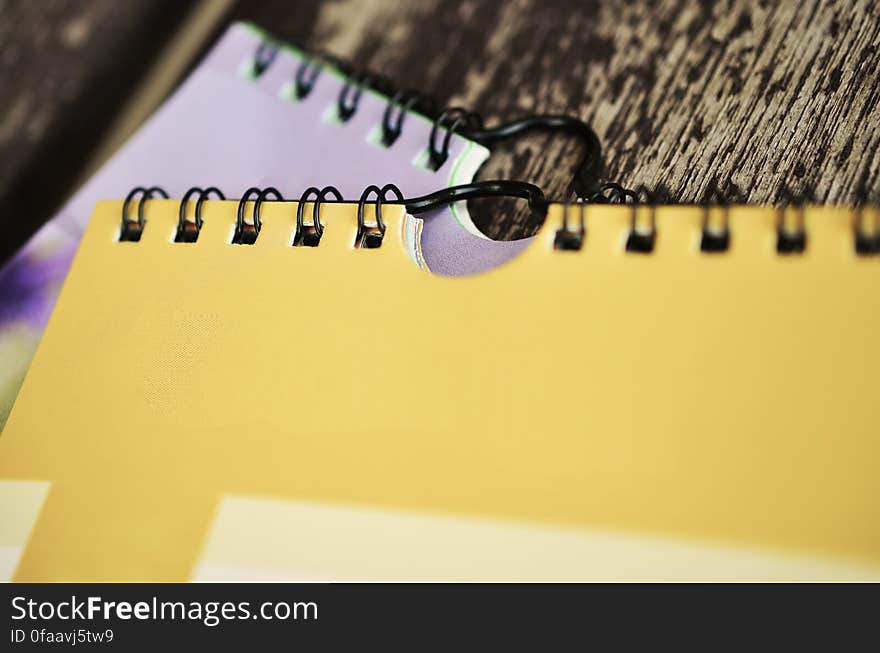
x: 133, y: 229
x: 449, y: 120
x: 310, y: 235
x: 246, y: 233
x: 715, y: 235
x: 371, y: 236
x: 188, y: 230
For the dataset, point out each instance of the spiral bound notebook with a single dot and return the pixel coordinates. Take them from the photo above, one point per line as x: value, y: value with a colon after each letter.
x: 236, y: 121
x: 688, y: 396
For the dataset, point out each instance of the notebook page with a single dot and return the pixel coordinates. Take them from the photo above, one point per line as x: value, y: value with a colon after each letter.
x: 721, y: 402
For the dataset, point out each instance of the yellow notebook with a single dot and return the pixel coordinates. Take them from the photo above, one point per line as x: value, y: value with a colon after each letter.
x: 209, y: 410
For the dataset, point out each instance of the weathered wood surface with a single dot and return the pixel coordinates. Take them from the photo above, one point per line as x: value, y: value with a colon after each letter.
x: 757, y: 94
x: 66, y: 67
x: 680, y: 93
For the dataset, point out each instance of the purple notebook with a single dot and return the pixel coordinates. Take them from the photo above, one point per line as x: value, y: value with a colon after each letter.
x: 228, y: 128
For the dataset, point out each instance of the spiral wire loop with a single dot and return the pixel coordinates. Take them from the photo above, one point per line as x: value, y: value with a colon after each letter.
x: 370, y: 236
x: 639, y: 240
x: 188, y: 230
x: 566, y: 238
x: 450, y: 120
x: 790, y: 226
x: 266, y: 52
x: 132, y: 230
x: 404, y: 101
x: 715, y: 239
x: 246, y: 233
x: 309, y: 235
x: 586, y: 174
x: 350, y: 95
x: 642, y: 240
x: 866, y: 237
x: 307, y: 74
x: 480, y: 189
x: 791, y: 239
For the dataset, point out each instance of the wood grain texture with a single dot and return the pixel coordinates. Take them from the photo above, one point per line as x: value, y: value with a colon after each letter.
x: 66, y: 67
x: 681, y: 94
x: 745, y: 92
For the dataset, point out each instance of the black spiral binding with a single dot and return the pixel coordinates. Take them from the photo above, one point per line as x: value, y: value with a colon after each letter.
x: 586, y: 174
x: 715, y: 239
x: 450, y: 120
x: 568, y: 239
x: 791, y: 232
x: 309, y: 235
x: 350, y: 95
x: 791, y: 238
x: 404, y: 101
x: 133, y: 229
x: 370, y: 236
x: 246, y: 233
x: 867, y: 239
x: 480, y: 189
x: 264, y: 56
x: 188, y: 230
x: 639, y: 239
x: 307, y: 74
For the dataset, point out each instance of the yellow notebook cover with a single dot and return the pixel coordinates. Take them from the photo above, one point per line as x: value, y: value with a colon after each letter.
x: 208, y: 410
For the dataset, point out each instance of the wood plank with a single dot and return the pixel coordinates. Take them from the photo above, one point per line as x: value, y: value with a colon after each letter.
x: 66, y: 67
x: 757, y: 94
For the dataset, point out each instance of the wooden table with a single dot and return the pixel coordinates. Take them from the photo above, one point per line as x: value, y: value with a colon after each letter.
x: 757, y: 95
